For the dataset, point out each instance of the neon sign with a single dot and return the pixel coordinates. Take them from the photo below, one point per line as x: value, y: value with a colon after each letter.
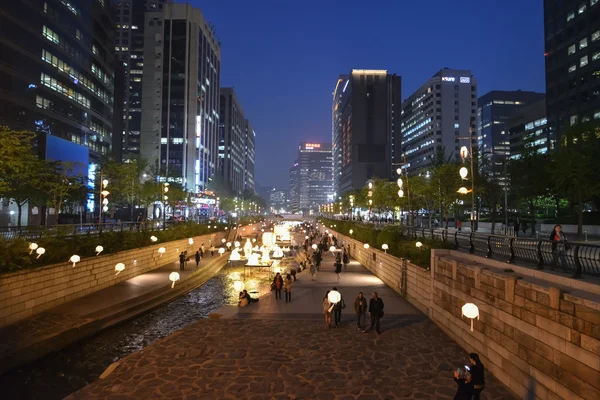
x: 312, y: 145
x: 448, y: 79
x: 465, y: 79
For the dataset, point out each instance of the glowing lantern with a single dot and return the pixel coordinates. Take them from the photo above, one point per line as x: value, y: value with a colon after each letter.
x: 40, y: 251
x: 400, y: 183
x: 162, y: 251
x: 235, y: 255
x: 223, y: 240
x: 351, y: 231
x: 236, y: 244
x: 173, y: 277
x: 32, y: 247
x: 385, y: 247
x: 306, y: 237
x: 400, y: 193
x: 366, y: 245
x: 332, y: 249
x: 119, y: 268
x: 74, y: 259
x: 228, y: 245
x: 190, y: 241
x: 399, y: 171
x: 419, y: 245
x: 334, y: 296
x: 221, y: 250
x: 254, y: 240
x: 463, y: 172
x: 314, y: 247
x: 471, y: 311
x: 463, y: 190
x: 153, y: 238
x: 238, y: 286
x: 464, y: 152
x: 99, y: 249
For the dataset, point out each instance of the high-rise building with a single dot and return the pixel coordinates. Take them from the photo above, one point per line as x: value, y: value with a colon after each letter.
x: 129, y: 48
x: 314, y: 176
x: 572, y: 43
x: 57, y: 72
x: 277, y: 200
x: 528, y: 129
x: 493, y: 111
x: 249, y: 157
x: 180, y: 96
x: 435, y: 116
x: 365, y: 127
x: 294, y: 193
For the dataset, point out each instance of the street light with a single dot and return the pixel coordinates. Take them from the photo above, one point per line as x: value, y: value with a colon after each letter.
x: 464, y: 153
x: 103, y: 206
x: 165, y: 190
x: 400, y: 182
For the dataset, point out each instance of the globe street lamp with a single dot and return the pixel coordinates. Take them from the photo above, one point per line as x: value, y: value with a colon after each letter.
x: 165, y: 190
x: 463, y: 172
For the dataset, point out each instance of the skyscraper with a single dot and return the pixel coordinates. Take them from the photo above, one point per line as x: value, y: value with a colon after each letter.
x: 365, y: 127
x: 315, y: 179
x: 294, y: 187
x: 57, y: 74
x: 437, y: 115
x: 249, y: 157
x: 528, y: 128
x: 129, y: 48
x: 180, y: 96
x: 572, y: 43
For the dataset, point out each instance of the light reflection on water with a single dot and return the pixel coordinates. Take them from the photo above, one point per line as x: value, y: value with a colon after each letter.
x: 59, y: 374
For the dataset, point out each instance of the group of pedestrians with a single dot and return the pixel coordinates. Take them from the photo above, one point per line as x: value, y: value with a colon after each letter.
x: 374, y: 308
x: 471, y: 380
x: 286, y: 284
x: 184, y: 259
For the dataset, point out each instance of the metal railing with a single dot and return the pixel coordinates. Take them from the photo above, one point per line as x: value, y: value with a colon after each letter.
x: 576, y: 258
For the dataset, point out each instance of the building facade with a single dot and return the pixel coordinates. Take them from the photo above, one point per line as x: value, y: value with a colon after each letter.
x: 180, y: 96
x: 572, y: 50
x: 277, y: 200
x: 315, y: 176
x: 249, y: 158
x: 494, y: 109
x: 436, y: 116
x: 129, y: 49
x: 294, y: 192
x: 529, y: 131
x: 57, y: 71
x: 365, y: 128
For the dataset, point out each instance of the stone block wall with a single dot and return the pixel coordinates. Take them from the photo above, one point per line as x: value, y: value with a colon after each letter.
x: 538, y: 332
x: 29, y: 292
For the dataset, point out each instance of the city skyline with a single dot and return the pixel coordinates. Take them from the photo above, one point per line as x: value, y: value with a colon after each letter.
x: 502, y: 56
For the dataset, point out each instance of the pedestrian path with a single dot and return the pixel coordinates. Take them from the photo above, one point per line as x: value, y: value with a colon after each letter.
x: 65, y: 324
x: 278, y: 350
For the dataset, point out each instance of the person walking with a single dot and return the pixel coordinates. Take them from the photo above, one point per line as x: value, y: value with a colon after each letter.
x: 360, y: 308
x: 318, y: 259
x: 212, y: 251
x: 327, y: 308
x: 477, y: 374
x: 182, y: 261
x: 559, y: 246
x: 197, y: 259
x: 313, y: 270
x: 465, y: 389
x: 277, y: 285
x: 287, y: 288
x: 345, y: 259
x: 202, y: 250
x: 376, y: 312
x: 337, y: 309
x: 338, y: 270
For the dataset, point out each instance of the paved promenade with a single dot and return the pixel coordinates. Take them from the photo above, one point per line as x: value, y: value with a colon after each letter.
x: 278, y: 350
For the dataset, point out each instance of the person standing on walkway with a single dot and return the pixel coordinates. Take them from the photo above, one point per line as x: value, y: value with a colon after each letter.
x: 277, y: 285
x: 202, y: 251
x: 337, y: 309
x: 345, y: 259
x: 376, y: 312
x: 197, y: 259
x: 559, y: 246
x: 338, y: 270
x: 212, y: 250
x: 465, y: 389
x: 318, y: 259
x: 327, y: 308
x: 360, y: 307
x: 287, y: 288
x: 182, y: 261
x: 478, y: 375
x: 313, y: 270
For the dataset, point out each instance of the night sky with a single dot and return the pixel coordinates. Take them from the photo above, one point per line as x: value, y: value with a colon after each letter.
x: 283, y: 56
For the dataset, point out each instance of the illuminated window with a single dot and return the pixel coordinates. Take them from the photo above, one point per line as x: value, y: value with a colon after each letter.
x: 50, y: 35
x: 583, y: 61
x: 597, y: 115
x: 571, y: 49
x: 596, y: 56
x: 61, y: 88
x: 592, y: 2
x: 94, y: 49
x: 77, y: 34
x: 570, y: 16
x: 581, y: 9
x: 583, y: 43
x: 573, y: 120
x: 572, y: 68
x: 42, y: 102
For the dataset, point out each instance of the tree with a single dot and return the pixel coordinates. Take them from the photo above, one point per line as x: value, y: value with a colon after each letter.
x: 62, y: 180
x: 148, y: 193
x: 487, y: 184
x: 446, y: 182
x: 385, y: 195
x: 422, y: 195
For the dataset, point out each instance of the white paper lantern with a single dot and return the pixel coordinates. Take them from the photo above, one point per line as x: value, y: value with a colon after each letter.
x: 153, y: 238
x: 221, y: 250
x: 351, y: 231
x: 99, y: 249
x: 173, y: 277
x: 366, y: 245
x: 238, y: 286
x: 334, y: 296
x: 32, y: 247
x: 400, y: 183
x: 463, y: 172
x: 400, y: 193
x: 332, y: 249
x: 223, y: 240
x: 471, y: 311
x: 40, y: 251
x: 306, y: 237
x: 236, y: 244
x: 385, y: 247
x: 419, y: 245
x: 161, y: 251
x: 119, y: 268
x: 228, y: 244
x: 314, y: 246
x: 74, y: 259
x: 190, y: 241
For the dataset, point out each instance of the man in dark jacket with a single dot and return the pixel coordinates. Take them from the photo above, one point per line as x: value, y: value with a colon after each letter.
x: 376, y: 312
x: 182, y: 261
x: 360, y: 307
x: 337, y: 310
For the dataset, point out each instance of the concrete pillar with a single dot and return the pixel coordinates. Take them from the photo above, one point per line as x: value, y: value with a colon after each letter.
x: 509, y: 289
x: 555, y: 294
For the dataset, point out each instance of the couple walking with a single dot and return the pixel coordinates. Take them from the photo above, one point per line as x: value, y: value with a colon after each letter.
x: 285, y: 284
x: 375, y: 310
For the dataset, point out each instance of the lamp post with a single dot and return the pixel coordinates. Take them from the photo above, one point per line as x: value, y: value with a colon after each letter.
x: 165, y: 189
x: 103, y: 200
x: 464, y: 153
x: 370, y: 195
x: 352, y: 206
x: 400, y: 171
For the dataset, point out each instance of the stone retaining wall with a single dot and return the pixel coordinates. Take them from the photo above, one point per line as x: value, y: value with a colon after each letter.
x: 538, y: 332
x: 29, y: 292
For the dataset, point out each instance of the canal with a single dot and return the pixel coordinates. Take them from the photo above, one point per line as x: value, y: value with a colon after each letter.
x: 61, y: 373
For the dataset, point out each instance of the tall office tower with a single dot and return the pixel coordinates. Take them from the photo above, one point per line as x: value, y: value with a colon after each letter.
x: 277, y: 200
x: 365, y: 127
x: 129, y: 48
x: 232, y: 140
x: 528, y: 130
x: 493, y: 111
x: 315, y: 176
x: 57, y: 74
x: 572, y: 32
x: 436, y: 116
x: 249, y: 157
x: 180, y: 96
x: 294, y: 196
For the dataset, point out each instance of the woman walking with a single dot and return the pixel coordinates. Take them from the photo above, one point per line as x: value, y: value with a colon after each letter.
x: 327, y: 307
x: 197, y: 259
x: 287, y: 288
x: 338, y: 270
x: 345, y: 259
x: 277, y: 285
x: 313, y: 270
x: 559, y: 246
x: 477, y: 375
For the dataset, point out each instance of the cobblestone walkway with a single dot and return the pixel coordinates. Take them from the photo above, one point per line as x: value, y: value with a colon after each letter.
x: 292, y: 359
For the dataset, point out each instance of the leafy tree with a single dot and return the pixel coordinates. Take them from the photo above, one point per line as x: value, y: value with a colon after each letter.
x: 422, y: 195
x: 148, y: 193
x: 446, y: 181
x: 61, y: 181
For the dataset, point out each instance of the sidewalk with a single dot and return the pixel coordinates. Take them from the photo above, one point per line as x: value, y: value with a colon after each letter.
x: 56, y: 328
x: 283, y: 350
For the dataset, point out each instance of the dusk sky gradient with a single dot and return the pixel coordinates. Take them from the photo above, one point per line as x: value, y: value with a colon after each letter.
x: 283, y: 57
